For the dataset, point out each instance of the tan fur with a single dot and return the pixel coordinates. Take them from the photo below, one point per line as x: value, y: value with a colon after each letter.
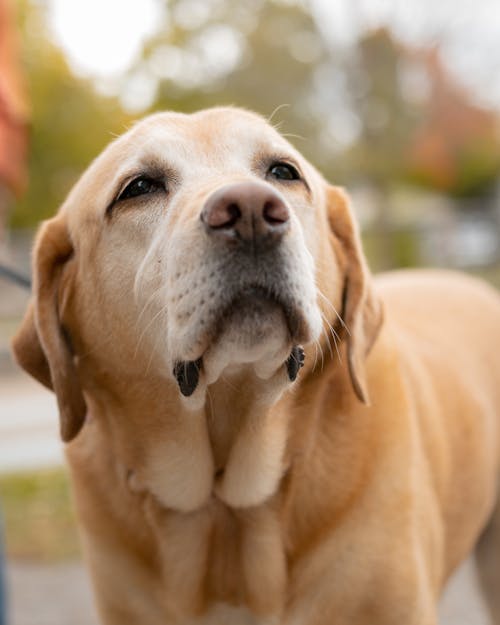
x: 344, y: 498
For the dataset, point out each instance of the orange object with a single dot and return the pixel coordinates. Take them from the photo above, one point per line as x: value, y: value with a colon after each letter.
x: 14, y: 110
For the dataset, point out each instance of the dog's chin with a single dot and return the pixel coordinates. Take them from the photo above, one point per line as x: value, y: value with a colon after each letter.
x: 255, y: 332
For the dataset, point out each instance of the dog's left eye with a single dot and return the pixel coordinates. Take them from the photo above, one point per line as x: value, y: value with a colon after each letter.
x: 283, y: 171
x: 140, y: 186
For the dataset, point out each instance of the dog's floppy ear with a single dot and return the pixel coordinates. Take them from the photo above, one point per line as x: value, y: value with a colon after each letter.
x: 40, y: 346
x: 362, y: 311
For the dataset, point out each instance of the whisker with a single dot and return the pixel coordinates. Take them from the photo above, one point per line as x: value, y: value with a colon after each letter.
x: 317, y: 344
x: 335, y: 337
x: 148, y: 325
x: 342, y: 322
x: 148, y: 302
x: 278, y: 108
x: 334, y: 332
x: 150, y: 359
x: 291, y: 135
x: 327, y: 338
x: 315, y: 355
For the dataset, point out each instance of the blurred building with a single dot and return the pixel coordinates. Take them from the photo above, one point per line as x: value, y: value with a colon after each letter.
x: 14, y: 116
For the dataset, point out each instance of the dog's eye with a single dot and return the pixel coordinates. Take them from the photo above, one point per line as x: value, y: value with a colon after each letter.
x: 140, y: 186
x: 284, y: 171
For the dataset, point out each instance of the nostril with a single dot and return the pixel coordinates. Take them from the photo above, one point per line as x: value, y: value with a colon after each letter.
x: 233, y: 214
x: 275, y: 212
x: 221, y: 215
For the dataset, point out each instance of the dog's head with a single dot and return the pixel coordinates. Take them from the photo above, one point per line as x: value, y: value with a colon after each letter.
x: 193, y: 245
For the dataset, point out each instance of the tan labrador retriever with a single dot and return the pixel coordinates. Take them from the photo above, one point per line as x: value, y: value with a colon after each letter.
x: 216, y: 480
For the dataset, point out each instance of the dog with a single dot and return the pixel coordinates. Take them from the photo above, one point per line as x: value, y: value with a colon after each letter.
x: 258, y: 431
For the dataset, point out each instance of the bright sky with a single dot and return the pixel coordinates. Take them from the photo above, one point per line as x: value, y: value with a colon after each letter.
x: 101, y: 38
x: 468, y: 32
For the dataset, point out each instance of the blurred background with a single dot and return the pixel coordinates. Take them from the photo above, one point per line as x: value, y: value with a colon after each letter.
x: 398, y: 101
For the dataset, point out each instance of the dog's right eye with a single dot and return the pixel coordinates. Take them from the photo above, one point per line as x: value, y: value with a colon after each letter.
x: 140, y: 186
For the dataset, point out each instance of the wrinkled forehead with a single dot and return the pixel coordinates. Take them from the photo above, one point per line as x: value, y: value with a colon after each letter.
x: 208, y: 139
x: 214, y: 143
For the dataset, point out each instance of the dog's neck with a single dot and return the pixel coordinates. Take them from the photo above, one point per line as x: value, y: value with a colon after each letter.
x: 232, y: 448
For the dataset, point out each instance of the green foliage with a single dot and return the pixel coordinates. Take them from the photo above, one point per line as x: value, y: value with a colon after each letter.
x: 70, y: 122
x: 478, y: 164
x: 268, y: 76
x: 39, y: 521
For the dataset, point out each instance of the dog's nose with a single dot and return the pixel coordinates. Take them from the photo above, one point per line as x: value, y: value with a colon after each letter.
x: 247, y: 211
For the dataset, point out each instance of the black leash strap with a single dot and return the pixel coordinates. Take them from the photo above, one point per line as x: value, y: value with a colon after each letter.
x: 14, y: 276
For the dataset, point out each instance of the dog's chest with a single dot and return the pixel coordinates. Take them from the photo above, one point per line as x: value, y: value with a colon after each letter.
x: 225, y: 614
x: 221, y: 557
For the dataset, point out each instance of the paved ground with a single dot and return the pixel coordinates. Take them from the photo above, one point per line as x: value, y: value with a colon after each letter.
x: 29, y: 436
x: 61, y: 595
x: 462, y: 603
x: 50, y: 595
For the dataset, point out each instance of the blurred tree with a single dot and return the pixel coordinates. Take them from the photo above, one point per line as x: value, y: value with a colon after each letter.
x: 387, y: 121
x: 261, y: 56
x: 456, y: 147
x: 387, y: 117
x: 70, y: 123
x: 14, y: 115
x: 368, y: 112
